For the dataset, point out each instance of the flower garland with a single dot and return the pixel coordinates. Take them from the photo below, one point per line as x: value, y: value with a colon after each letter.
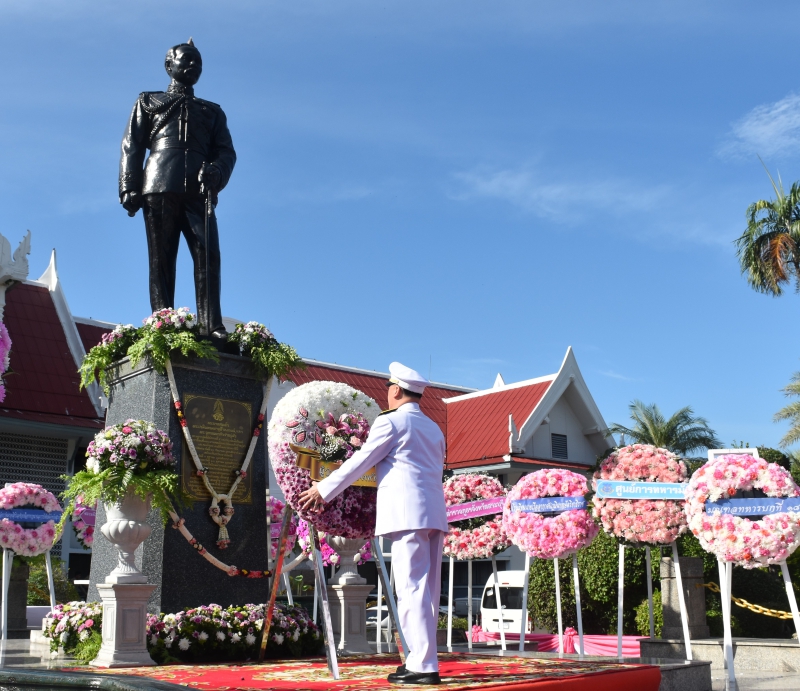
x: 474, y: 538
x: 276, y: 509
x: 303, y: 417
x: 223, y: 516
x: 743, y: 541
x: 5, y: 357
x: 641, y: 521
x: 330, y: 557
x: 543, y: 536
x: 27, y: 542
x: 214, y: 633
x: 71, y: 623
x: 84, y: 531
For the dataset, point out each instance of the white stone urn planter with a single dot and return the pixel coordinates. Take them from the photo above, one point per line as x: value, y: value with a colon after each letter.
x: 126, y: 591
x: 347, y: 592
x: 126, y: 528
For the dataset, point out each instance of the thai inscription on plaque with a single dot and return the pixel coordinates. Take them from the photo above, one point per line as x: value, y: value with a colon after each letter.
x: 221, y: 430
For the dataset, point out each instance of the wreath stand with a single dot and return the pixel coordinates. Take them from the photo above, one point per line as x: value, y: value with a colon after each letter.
x: 8, y: 559
x: 377, y: 547
x: 726, y: 580
x: 576, y: 585
x: 385, y: 583
x: 681, y: 597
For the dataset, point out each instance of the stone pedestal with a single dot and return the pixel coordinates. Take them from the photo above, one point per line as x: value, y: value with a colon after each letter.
x: 124, y: 621
x: 182, y: 577
x: 347, y: 594
x: 692, y: 576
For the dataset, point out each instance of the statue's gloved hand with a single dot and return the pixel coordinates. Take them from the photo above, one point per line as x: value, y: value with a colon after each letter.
x: 210, y: 177
x: 131, y: 202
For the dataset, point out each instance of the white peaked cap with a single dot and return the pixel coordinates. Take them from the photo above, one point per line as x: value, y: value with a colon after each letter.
x: 407, y: 378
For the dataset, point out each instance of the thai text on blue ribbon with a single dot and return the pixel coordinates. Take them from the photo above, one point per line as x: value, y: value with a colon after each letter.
x: 30, y: 515
x: 763, y: 506
x: 548, y: 504
x: 624, y: 489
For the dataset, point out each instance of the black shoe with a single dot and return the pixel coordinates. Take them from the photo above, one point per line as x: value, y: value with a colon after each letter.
x: 407, y: 677
x: 401, y: 670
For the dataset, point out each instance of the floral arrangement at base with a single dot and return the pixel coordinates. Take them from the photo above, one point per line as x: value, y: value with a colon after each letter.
x: 641, y: 522
x: 549, y: 536
x: 84, y: 532
x: 5, y: 357
x: 269, y: 357
x: 169, y: 330
x: 743, y: 541
x: 334, y: 419
x: 132, y: 455
x: 330, y: 557
x: 213, y: 633
x: 75, y: 627
x: 27, y: 542
x: 276, y: 509
x: 474, y: 538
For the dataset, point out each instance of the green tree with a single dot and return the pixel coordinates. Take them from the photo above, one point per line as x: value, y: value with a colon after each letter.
x: 682, y: 433
x: 768, y: 248
x: 791, y: 412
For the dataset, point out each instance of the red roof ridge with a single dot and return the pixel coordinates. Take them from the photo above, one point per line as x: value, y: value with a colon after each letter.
x: 384, y: 375
x: 505, y: 387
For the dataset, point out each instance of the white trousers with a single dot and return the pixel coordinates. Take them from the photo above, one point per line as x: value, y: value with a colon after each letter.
x: 417, y: 568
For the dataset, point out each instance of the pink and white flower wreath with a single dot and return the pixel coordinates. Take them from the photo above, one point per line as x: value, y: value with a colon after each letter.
x: 737, y: 539
x: 549, y: 537
x: 294, y: 420
x: 477, y: 538
x: 641, y: 521
x: 27, y: 542
x: 276, y: 510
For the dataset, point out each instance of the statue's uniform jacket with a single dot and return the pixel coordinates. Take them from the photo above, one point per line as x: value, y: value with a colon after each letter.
x: 182, y: 132
x: 407, y: 449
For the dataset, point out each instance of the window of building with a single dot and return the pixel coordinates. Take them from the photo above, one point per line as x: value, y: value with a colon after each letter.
x: 558, y: 442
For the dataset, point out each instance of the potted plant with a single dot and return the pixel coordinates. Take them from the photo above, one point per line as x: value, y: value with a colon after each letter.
x: 130, y: 468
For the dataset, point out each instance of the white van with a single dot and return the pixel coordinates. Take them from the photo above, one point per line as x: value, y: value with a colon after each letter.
x: 511, y: 583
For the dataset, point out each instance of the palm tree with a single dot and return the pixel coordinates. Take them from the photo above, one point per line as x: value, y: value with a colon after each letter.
x: 682, y: 433
x: 791, y: 412
x: 768, y: 249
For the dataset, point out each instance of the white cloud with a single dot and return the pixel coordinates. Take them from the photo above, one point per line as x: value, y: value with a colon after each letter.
x: 616, y: 375
x: 565, y: 202
x: 772, y: 129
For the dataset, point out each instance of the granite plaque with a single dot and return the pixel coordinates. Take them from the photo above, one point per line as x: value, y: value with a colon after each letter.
x: 221, y: 432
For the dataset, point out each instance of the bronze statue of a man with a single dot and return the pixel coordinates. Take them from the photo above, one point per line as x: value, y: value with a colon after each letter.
x: 191, y: 159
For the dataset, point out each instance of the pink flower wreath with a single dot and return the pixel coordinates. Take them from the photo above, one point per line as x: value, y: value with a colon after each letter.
x: 27, y: 542
x: 745, y: 542
x: 641, y: 521
x: 323, y: 416
x: 549, y: 537
x: 474, y: 538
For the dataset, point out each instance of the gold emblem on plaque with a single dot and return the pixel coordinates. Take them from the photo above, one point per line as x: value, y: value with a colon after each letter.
x: 219, y: 414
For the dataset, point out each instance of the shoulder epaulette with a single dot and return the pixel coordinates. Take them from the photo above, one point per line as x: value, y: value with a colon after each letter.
x: 386, y: 412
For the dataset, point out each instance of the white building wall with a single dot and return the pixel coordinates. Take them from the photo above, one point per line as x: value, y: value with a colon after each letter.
x: 562, y: 421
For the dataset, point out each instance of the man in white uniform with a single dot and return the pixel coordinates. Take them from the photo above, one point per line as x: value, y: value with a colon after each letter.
x: 407, y: 449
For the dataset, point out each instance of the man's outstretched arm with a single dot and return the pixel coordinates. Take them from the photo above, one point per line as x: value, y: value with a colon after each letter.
x: 378, y: 445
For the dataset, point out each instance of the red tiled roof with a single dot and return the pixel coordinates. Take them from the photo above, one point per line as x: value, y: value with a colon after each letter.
x: 90, y: 334
x: 42, y: 385
x: 477, y: 427
x: 374, y: 385
x: 493, y: 460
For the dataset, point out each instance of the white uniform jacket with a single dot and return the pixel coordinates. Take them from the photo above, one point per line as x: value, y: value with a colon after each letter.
x: 407, y: 449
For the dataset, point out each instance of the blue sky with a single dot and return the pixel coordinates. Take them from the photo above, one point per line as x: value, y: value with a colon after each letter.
x: 466, y: 187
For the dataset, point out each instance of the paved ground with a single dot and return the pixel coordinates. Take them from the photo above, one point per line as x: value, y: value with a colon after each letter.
x: 18, y: 653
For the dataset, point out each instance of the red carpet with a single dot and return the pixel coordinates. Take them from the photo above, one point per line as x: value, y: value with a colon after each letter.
x: 369, y: 672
